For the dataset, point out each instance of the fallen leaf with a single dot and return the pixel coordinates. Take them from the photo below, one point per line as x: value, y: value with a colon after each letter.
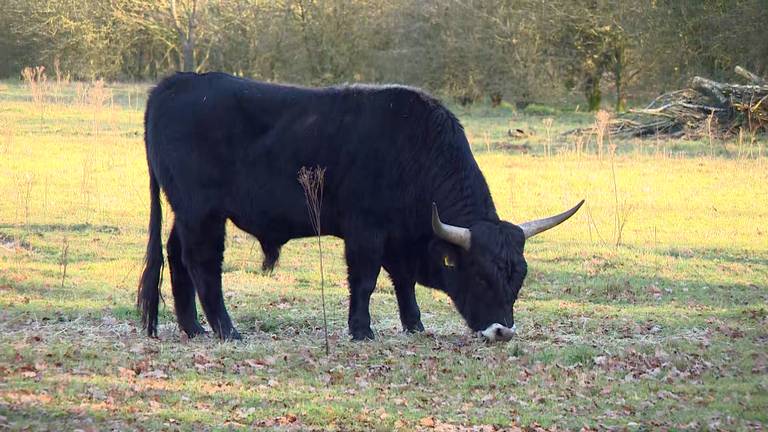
x: 126, y: 373
x: 427, y: 422
x: 286, y: 419
x: 157, y: 374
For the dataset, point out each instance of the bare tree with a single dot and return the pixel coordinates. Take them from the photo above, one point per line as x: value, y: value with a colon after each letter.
x: 517, y: 50
x: 185, y: 17
x: 178, y: 24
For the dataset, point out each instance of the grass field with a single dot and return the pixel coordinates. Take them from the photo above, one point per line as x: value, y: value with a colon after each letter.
x: 666, y: 329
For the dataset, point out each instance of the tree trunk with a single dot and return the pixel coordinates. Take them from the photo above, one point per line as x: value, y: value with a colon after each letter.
x: 496, y: 99
x: 152, y: 66
x: 139, y: 74
x: 186, y: 33
x: 592, y: 92
x: 618, y: 74
x: 188, y: 55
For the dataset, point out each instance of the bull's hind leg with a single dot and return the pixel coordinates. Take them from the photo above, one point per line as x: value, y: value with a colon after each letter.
x: 202, y: 254
x: 363, y: 267
x: 183, y: 288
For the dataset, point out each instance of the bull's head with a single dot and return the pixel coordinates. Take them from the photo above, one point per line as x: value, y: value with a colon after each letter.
x: 482, y: 268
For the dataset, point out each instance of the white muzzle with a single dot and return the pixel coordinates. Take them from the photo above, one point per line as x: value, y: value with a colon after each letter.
x: 497, y: 332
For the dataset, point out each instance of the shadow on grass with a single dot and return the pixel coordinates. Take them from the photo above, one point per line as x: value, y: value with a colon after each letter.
x: 622, y: 286
x: 42, y: 417
x: 716, y: 255
x: 77, y: 228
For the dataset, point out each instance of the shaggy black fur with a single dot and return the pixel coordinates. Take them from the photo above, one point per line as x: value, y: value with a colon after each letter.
x: 224, y: 148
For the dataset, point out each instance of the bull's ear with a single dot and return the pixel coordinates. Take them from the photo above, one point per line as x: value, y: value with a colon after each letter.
x: 443, y: 255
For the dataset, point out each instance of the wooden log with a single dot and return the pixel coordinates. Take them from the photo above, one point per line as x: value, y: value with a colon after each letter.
x: 726, y: 91
x: 749, y: 76
x: 684, y: 112
x: 711, y: 89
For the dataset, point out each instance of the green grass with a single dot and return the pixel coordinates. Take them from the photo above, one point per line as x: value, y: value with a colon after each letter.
x: 667, y: 329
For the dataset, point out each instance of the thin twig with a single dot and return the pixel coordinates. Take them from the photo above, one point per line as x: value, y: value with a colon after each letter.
x: 64, y: 260
x: 312, y: 180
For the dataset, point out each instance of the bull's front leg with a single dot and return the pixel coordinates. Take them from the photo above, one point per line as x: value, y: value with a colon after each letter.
x: 363, y: 266
x: 404, y: 282
x: 410, y: 315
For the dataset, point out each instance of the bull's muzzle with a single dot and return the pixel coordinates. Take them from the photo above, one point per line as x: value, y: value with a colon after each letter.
x: 498, y: 333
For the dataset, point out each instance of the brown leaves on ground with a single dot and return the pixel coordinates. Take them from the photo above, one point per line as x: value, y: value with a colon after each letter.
x: 730, y: 331
x: 126, y: 373
x: 760, y: 365
x: 430, y: 423
x: 596, y: 265
x: 427, y: 422
x: 155, y: 373
x: 283, y: 420
x: 204, y: 363
x: 659, y: 364
x: 29, y: 371
x: 403, y: 381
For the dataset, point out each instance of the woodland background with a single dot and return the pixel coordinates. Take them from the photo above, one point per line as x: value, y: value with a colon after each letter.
x: 563, y: 52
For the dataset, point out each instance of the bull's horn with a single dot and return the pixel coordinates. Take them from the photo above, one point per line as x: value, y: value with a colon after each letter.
x: 452, y: 234
x: 532, y: 228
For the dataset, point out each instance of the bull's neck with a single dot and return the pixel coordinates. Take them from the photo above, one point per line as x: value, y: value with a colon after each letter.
x: 462, y: 195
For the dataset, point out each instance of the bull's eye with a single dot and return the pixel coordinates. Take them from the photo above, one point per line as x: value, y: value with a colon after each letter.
x: 448, y: 262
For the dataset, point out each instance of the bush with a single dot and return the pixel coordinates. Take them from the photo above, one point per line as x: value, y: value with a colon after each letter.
x: 539, y: 109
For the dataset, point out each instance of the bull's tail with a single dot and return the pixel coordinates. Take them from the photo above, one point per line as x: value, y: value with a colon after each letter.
x: 148, y: 299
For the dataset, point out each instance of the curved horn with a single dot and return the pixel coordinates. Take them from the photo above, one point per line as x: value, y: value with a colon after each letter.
x: 452, y: 234
x: 532, y: 228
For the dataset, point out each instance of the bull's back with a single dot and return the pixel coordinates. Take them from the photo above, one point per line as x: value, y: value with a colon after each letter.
x: 222, y: 144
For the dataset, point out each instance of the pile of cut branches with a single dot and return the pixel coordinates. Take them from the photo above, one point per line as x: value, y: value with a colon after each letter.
x: 707, y: 107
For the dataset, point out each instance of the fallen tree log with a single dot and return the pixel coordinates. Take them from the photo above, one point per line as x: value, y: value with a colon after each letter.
x: 749, y: 76
x: 710, y: 88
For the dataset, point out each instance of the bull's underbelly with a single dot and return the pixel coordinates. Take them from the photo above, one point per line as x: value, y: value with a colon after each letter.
x: 272, y: 227
x: 279, y: 219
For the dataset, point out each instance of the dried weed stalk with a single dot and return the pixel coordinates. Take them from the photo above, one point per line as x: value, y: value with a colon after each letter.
x: 62, y: 80
x: 8, y: 135
x: 81, y: 94
x: 64, y: 260
x: 622, y: 210
x: 98, y: 95
x: 602, y: 121
x: 548, y: 122
x: 37, y: 83
x: 487, y: 141
x: 312, y: 180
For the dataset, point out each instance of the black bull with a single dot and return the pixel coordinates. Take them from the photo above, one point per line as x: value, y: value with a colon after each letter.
x: 222, y: 147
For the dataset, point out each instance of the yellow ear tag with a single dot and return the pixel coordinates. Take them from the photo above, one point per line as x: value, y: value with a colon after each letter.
x: 448, y: 262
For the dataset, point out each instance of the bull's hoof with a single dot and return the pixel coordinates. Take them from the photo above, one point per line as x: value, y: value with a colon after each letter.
x: 230, y: 335
x: 362, y: 335
x: 193, y: 330
x: 418, y: 327
x: 234, y: 335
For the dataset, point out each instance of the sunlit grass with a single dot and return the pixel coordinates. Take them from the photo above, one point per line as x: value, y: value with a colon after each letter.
x: 666, y: 329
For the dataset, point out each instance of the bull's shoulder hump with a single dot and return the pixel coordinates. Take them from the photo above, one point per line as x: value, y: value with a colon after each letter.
x: 389, y: 90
